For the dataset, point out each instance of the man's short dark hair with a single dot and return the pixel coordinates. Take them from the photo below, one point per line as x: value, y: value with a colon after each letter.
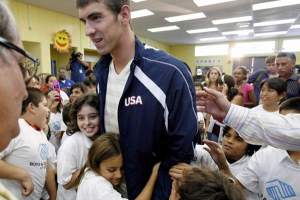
x: 289, y: 55
x: 114, y: 5
x: 209, y: 185
x: 291, y: 104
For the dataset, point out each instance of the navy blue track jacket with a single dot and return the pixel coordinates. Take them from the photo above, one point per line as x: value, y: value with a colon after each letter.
x: 156, y: 115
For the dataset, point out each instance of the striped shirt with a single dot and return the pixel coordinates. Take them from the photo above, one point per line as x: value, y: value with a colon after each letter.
x: 280, y: 131
x: 115, y: 87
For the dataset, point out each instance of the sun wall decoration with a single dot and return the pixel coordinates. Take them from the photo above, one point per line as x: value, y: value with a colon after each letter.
x: 62, y: 41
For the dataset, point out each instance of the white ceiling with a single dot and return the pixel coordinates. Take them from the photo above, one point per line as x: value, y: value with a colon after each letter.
x: 169, y: 8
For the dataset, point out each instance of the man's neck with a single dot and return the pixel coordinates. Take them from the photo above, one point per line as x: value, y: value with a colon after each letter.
x: 124, y: 51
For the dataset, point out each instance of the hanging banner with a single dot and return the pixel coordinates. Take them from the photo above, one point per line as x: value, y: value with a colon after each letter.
x: 62, y: 41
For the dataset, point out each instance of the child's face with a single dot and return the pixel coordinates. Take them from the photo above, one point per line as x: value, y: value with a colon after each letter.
x: 213, y: 75
x: 41, y: 113
x: 111, y: 169
x: 88, y: 120
x: 238, y: 75
x: 269, y: 96
x: 233, y: 145
x: 76, y: 93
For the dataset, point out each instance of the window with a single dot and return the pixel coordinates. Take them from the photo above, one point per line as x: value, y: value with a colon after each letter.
x: 212, y: 50
x: 246, y: 48
x: 291, y: 45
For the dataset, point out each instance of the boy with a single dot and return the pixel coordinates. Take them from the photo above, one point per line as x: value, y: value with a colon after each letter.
x: 273, y: 173
x: 28, y: 153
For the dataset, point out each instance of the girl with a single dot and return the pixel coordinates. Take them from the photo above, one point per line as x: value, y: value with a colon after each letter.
x: 272, y: 93
x: 56, y: 124
x: 103, y: 172
x: 72, y: 154
x: 212, y: 77
x: 33, y: 82
x: 215, y: 128
x: 236, y: 150
x: 240, y: 76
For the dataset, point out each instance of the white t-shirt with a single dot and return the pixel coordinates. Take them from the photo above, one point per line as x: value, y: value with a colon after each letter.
x: 115, y: 87
x: 272, y: 173
x: 260, y: 108
x: 71, y: 156
x: 204, y: 159
x: 30, y: 151
x: 64, y: 97
x: 95, y: 187
x: 56, y: 125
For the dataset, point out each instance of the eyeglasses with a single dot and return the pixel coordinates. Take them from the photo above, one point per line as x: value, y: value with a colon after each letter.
x: 28, y: 63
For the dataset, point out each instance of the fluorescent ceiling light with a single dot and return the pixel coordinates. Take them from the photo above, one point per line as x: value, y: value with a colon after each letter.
x: 238, y: 32
x: 213, y: 39
x: 275, y: 4
x: 164, y: 28
x: 137, y: 1
x: 186, y: 17
x: 201, y: 3
x: 276, y: 22
x: 270, y: 33
x: 141, y: 13
x: 295, y: 26
x: 203, y: 30
x: 232, y: 20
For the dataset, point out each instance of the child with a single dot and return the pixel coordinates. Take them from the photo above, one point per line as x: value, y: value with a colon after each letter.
x: 72, y: 154
x: 204, y: 184
x: 273, y: 173
x: 272, y: 92
x: 237, y: 154
x: 28, y: 154
x: 103, y: 172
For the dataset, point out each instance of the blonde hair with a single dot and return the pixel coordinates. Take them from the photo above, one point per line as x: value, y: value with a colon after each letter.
x: 207, y: 78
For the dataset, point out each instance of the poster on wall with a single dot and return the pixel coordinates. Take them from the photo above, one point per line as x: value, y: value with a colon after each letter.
x: 62, y: 41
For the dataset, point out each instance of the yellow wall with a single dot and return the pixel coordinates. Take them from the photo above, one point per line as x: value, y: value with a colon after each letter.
x: 37, y: 27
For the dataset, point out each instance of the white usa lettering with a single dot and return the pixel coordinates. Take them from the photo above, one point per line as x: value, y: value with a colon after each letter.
x: 134, y: 100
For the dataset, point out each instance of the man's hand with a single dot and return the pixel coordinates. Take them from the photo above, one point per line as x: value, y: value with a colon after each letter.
x: 27, y: 185
x: 212, y: 102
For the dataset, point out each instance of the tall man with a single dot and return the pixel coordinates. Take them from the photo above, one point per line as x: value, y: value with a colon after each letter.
x: 13, y: 92
x: 146, y: 95
x: 285, y: 63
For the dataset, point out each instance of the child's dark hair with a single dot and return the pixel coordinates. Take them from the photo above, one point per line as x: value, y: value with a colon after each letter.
x: 66, y: 116
x: 251, y: 149
x: 48, y: 77
x: 276, y: 84
x: 90, y: 100
x: 77, y: 85
x: 90, y: 81
x: 35, y: 96
x: 291, y: 104
x: 206, y: 184
x: 104, y: 147
x: 232, y: 91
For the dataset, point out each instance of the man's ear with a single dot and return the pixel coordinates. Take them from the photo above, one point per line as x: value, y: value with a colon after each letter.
x: 125, y: 15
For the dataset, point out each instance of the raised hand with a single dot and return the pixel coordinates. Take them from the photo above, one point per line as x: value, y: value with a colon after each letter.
x: 216, y: 152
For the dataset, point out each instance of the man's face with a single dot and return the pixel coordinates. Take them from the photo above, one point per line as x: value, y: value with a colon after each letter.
x: 102, y: 26
x: 13, y: 92
x: 285, y: 67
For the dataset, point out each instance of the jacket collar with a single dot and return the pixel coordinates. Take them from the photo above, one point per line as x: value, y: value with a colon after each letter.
x: 139, y: 52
